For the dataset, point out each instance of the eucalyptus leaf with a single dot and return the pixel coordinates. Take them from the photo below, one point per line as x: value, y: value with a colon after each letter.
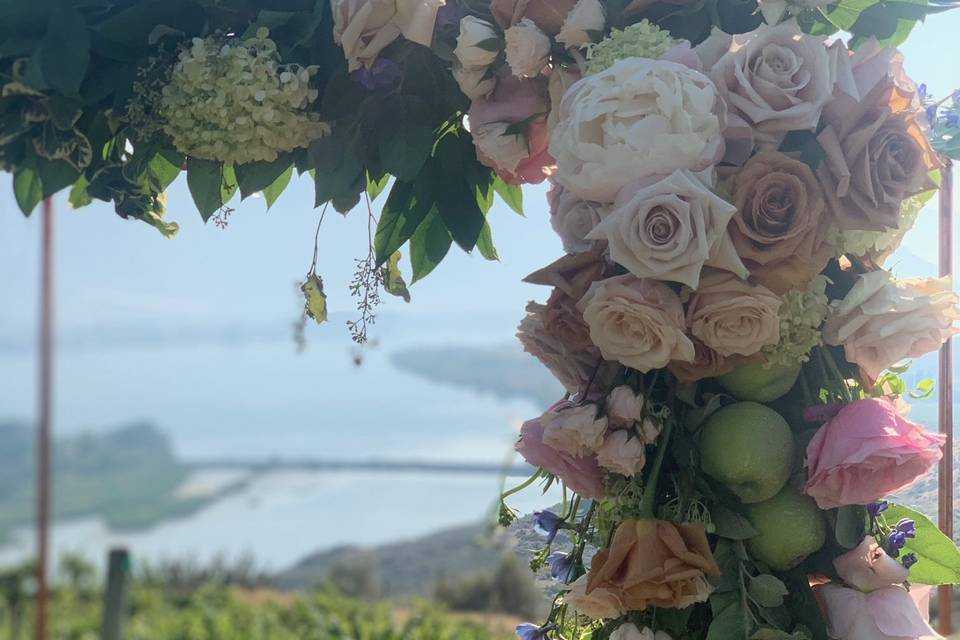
x: 730, y: 524
x: 767, y: 590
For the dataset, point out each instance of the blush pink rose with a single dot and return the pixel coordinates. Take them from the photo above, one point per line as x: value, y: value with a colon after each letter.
x: 866, y: 452
x: 869, y: 567
x: 580, y: 473
x: 885, y: 614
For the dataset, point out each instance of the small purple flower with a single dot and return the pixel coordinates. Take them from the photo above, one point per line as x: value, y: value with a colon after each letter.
x: 547, y: 524
x: 932, y: 114
x: 530, y: 631
x: 922, y: 91
x: 382, y: 74
x: 895, y: 542
x: 953, y: 119
x: 909, y: 560
x: 821, y: 412
x: 561, y: 566
x: 876, y: 508
x: 447, y: 25
x: 907, y: 527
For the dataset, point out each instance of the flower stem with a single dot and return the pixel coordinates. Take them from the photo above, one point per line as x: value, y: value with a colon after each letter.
x: 650, y: 490
x: 523, y: 485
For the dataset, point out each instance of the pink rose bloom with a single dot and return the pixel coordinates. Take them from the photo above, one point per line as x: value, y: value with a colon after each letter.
x: 868, y: 451
x: 582, y: 474
x: 869, y: 567
x: 885, y: 614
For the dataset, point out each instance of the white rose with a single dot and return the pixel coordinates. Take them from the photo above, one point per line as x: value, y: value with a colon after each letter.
x: 624, y: 407
x: 637, y: 322
x: 638, y: 118
x: 478, y: 43
x: 573, y: 218
x: 474, y: 81
x: 527, y: 49
x: 622, y: 452
x: 586, y: 16
x: 670, y: 230
x: 574, y: 429
x: 629, y: 631
x: 365, y: 27
x: 506, y: 151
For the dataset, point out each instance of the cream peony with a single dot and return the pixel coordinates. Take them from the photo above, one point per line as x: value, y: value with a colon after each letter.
x: 670, y: 229
x: 573, y: 218
x: 478, y: 43
x: 365, y: 27
x: 586, y: 16
x: 622, y: 452
x: 638, y: 118
x: 573, y: 428
x: 474, y: 82
x: 881, y: 321
x: 527, y: 49
x: 637, y: 322
x: 629, y: 631
x: 732, y: 316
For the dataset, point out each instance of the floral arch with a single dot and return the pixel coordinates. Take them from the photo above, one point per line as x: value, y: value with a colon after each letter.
x: 728, y: 179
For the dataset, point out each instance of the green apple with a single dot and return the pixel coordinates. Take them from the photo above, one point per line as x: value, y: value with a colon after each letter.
x: 760, y: 383
x: 790, y: 527
x: 749, y: 448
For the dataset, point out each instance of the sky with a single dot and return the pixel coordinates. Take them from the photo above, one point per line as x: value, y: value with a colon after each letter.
x: 123, y: 277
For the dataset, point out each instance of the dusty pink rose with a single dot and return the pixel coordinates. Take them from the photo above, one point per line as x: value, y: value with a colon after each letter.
x: 882, y: 321
x: 581, y: 474
x: 573, y: 428
x: 546, y: 14
x: 572, y: 274
x: 622, y: 452
x: 573, y: 218
x: 732, y: 316
x: 556, y: 345
x: 869, y: 567
x: 866, y: 452
x: 624, y: 407
x: 885, y: 614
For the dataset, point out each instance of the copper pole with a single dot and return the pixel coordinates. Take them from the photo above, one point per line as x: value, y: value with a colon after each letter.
x: 945, y: 594
x: 43, y: 435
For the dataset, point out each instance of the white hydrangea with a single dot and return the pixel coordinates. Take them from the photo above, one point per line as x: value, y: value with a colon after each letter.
x: 233, y: 101
x: 880, y: 243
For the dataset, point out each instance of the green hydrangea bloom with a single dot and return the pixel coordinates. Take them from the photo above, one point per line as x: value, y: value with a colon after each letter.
x: 860, y: 243
x: 233, y: 101
x: 641, y: 40
x: 801, y: 315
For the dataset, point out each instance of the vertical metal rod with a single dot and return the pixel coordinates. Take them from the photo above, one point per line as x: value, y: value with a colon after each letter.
x: 116, y: 594
x: 945, y: 594
x: 43, y: 434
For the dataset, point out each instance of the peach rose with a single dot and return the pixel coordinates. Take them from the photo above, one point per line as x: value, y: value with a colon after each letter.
x: 732, y: 316
x: 545, y: 336
x: 599, y: 604
x: 638, y: 323
x: 655, y: 563
x: 882, y: 321
x: 365, y: 27
x: 781, y: 227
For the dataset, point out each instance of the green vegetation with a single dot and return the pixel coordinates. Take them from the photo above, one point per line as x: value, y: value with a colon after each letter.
x: 128, y: 476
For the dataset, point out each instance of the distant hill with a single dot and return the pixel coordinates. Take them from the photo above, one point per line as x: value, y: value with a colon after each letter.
x: 128, y: 476
x: 502, y: 370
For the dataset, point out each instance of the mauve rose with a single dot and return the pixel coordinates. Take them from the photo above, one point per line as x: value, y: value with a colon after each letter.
x: 624, y: 407
x: 877, y: 148
x: 572, y: 274
x: 669, y: 228
x: 732, y: 316
x: 573, y: 428
x: 638, y: 323
x: 706, y: 363
x: 573, y: 218
x: 868, y: 567
x: 866, y: 452
x: 781, y: 227
x: 551, y: 335
x: 365, y: 27
x: 546, y: 14
x: 882, y: 321
x: 623, y: 452
x: 581, y: 474
x: 885, y: 614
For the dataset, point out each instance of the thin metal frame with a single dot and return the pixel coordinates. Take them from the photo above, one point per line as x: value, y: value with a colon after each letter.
x: 46, y: 414
x: 945, y: 493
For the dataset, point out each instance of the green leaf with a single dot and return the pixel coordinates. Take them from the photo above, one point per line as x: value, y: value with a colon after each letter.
x: 211, y: 185
x: 511, y: 194
x: 924, y: 389
x: 406, y: 208
x: 271, y: 193
x: 485, y: 243
x: 767, y: 590
x: 460, y: 213
x: 78, y: 194
x: 376, y: 187
x: 64, y: 52
x: 27, y: 190
x: 257, y: 176
x: 404, y: 153
x: 851, y: 526
x: 729, y: 618
x: 164, y: 169
x: 731, y: 524
x: 55, y: 175
x: 393, y: 281
x: 939, y: 558
x: 314, y: 299
x: 429, y: 245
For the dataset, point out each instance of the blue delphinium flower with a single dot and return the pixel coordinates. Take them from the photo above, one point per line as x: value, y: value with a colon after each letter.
x: 909, y: 560
x: 952, y: 119
x: 922, y: 91
x: 932, y: 114
x: 895, y: 542
x: 530, y: 631
x: 547, y: 524
x: 907, y: 527
x: 876, y: 508
x: 382, y: 74
x: 561, y: 566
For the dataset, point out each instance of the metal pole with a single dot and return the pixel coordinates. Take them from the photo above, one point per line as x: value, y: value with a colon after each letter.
x: 115, y: 597
x: 945, y: 594
x: 43, y: 435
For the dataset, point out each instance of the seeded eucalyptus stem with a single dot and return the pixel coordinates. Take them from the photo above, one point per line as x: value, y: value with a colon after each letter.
x: 650, y: 490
